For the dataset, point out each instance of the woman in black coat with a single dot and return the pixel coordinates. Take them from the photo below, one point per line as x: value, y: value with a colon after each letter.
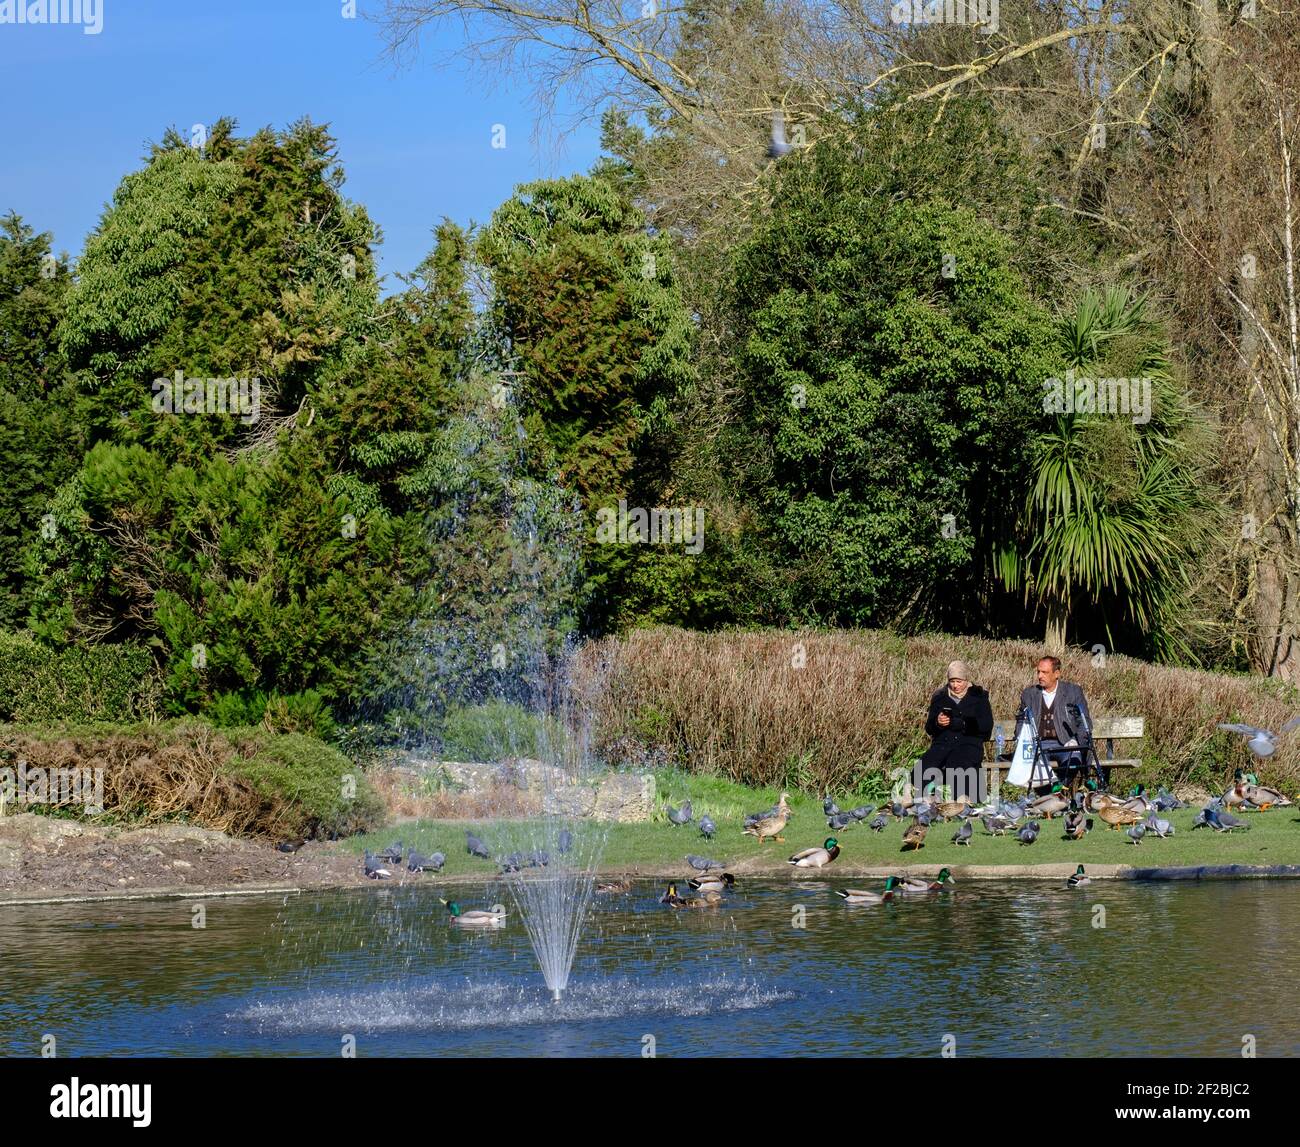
x: 959, y: 722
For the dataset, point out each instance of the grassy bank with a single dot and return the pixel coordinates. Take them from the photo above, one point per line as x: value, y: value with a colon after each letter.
x: 657, y: 847
x: 246, y: 782
x: 836, y: 711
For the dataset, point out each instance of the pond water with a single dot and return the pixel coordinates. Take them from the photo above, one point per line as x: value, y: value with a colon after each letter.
x: 1179, y: 969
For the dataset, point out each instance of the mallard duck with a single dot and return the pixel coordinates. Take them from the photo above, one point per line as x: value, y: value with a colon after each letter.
x: 622, y: 884
x: 1076, y: 824
x: 1265, y: 797
x: 1050, y: 804
x: 863, y: 896
x: 705, y: 900
x: 914, y: 837
x: 949, y: 809
x: 1079, y: 879
x: 908, y: 885
x: 719, y: 882
x: 817, y: 857
x: 475, y: 918
x: 1116, y: 815
x: 771, y: 824
x: 1096, y: 801
x: 1138, y: 800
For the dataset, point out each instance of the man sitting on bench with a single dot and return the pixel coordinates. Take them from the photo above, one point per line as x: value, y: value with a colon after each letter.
x: 1060, y: 713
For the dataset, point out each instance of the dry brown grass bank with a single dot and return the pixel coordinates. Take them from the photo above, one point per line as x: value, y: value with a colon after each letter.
x: 245, y: 782
x: 735, y: 704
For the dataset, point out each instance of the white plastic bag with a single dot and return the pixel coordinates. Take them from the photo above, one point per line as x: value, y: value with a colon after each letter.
x: 1022, y: 759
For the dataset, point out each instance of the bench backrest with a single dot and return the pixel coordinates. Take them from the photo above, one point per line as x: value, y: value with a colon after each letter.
x: 1103, y: 728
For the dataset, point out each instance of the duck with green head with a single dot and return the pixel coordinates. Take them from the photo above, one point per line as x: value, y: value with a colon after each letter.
x: 864, y: 896
x: 817, y: 857
x: 1050, y: 804
x: 918, y: 886
x: 1079, y: 879
x: 476, y: 917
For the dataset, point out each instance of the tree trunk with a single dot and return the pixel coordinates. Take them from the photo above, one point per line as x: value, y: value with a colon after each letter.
x: 1054, y: 636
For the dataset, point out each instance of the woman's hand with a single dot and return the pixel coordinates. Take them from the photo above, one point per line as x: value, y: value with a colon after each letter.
x: 944, y: 720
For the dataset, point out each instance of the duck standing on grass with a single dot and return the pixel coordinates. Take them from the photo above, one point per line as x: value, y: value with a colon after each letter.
x: 817, y: 857
x: 769, y: 824
x: 914, y: 837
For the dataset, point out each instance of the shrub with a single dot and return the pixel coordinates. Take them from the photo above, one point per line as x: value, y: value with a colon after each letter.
x: 75, y: 685
x: 492, y: 732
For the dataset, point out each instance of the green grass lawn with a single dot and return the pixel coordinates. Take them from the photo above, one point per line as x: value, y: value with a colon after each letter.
x: 658, y: 848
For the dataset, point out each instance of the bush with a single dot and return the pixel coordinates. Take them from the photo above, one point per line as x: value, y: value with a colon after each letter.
x: 492, y: 732
x: 75, y: 685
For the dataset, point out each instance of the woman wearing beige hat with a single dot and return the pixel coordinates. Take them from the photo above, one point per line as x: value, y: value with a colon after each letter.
x: 960, y: 721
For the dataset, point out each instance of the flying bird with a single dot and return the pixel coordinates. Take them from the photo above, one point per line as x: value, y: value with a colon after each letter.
x: 778, y: 146
x: 1261, y: 742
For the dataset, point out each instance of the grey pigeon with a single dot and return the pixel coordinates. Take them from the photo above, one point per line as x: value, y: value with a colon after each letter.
x: 829, y: 807
x: 1226, y: 821
x: 878, y: 822
x: 1137, y: 832
x: 680, y: 815
x: 418, y: 862
x: 1261, y: 742
x: 1029, y: 833
x: 565, y: 842
x: 862, y: 811
x: 513, y: 863
x: 375, y: 869
x: 392, y: 854
x: 476, y: 847
x: 291, y: 845
x: 1161, y: 828
x: 701, y: 863
x: 963, y: 834
x: 924, y: 817
x: 1167, y: 802
x: 707, y: 827
x: 539, y: 859
x: 840, y: 821
x: 778, y: 146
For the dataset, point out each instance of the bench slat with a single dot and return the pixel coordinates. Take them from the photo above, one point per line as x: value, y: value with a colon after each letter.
x: 1103, y: 728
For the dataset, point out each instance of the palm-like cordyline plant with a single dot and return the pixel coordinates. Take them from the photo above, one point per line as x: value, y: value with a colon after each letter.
x: 1117, y: 509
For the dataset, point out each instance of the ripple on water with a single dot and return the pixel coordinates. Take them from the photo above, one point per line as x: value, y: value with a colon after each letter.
x: 476, y: 1006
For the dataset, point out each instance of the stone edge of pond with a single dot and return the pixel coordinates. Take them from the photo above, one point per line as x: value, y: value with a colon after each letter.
x: 1056, y: 871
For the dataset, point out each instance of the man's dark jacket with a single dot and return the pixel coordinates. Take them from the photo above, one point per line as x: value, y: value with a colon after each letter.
x: 960, y: 744
x: 1070, y: 710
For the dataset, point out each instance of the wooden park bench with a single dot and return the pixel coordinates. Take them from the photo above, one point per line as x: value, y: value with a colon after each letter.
x: 1105, y: 732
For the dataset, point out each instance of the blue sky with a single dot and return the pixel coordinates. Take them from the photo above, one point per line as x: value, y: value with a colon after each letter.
x: 415, y: 142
